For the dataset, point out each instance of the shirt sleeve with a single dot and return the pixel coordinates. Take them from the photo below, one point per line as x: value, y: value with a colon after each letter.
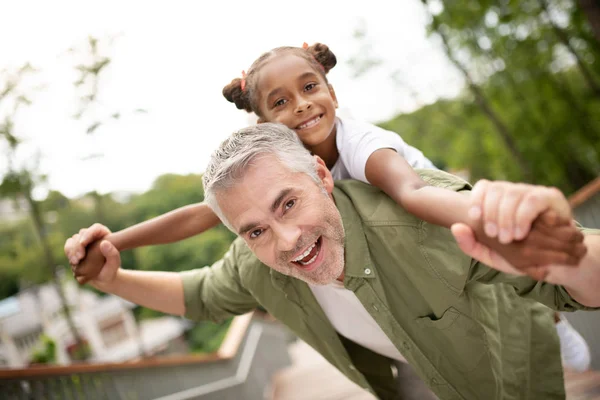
x: 216, y: 293
x: 364, y: 140
x: 554, y: 296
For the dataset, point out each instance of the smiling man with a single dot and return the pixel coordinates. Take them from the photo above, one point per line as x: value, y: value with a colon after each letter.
x: 366, y: 283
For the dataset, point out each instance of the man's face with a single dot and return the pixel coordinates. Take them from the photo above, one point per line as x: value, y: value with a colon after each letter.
x: 288, y: 220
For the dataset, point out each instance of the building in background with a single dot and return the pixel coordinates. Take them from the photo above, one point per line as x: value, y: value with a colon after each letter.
x: 105, y: 323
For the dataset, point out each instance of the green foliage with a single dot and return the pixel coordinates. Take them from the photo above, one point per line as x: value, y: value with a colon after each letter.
x: 46, y: 352
x: 206, y: 337
x: 539, y: 75
x: 21, y: 256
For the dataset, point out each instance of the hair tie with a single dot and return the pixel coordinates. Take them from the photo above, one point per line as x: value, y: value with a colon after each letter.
x: 243, y: 84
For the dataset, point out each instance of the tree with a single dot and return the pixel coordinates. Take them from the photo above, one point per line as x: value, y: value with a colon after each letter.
x: 531, y: 70
x: 19, y: 181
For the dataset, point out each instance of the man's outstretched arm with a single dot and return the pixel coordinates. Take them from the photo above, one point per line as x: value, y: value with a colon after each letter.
x: 210, y: 293
x: 161, y: 291
x: 581, y: 281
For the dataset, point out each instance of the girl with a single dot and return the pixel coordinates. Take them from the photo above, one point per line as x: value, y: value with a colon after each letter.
x: 289, y: 85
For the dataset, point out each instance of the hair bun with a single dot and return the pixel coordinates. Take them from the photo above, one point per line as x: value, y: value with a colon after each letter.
x: 323, y: 55
x: 233, y: 93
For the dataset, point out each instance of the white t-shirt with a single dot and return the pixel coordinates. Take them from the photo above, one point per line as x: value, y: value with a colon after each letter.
x: 351, y: 320
x: 356, y: 141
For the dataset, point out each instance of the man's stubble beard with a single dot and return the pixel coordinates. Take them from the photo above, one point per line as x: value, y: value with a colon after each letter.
x: 333, y: 265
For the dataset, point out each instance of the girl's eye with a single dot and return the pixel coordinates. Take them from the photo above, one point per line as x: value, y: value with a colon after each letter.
x: 310, y: 86
x: 289, y: 204
x: 280, y: 102
x: 255, y: 233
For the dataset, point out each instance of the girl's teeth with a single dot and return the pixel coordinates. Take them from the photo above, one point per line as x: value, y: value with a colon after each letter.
x: 310, y: 123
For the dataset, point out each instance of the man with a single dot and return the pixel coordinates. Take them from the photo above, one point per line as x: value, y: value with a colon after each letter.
x: 365, y: 283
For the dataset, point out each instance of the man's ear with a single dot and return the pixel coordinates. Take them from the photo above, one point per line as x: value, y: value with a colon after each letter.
x: 324, y: 174
x: 332, y: 93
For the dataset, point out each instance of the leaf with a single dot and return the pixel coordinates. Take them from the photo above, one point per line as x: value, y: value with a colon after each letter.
x: 92, y: 128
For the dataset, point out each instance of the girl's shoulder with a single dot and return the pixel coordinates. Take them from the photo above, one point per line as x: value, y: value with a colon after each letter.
x: 349, y: 129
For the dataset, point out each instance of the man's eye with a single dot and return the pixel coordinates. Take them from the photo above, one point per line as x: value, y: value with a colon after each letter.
x: 289, y: 204
x: 310, y: 86
x: 255, y: 233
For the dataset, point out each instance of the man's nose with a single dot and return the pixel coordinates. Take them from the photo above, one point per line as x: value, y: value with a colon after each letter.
x: 287, y: 236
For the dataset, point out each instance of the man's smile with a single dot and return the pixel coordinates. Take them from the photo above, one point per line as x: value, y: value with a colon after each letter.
x: 308, y: 257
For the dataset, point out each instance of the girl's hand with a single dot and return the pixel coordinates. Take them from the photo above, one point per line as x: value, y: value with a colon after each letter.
x: 84, y: 254
x: 507, y: 210
x: 551, y: 240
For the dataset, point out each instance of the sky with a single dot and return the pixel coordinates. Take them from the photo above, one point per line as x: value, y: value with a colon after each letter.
x: 172, y: 59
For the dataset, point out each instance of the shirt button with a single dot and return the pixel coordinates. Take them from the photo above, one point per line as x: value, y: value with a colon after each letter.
x: 368, y: 271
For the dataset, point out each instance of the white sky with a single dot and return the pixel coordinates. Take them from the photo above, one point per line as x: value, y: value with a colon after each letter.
x: 173, y: 59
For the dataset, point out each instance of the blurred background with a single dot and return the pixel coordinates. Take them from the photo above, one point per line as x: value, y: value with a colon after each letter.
x: 110, y: 110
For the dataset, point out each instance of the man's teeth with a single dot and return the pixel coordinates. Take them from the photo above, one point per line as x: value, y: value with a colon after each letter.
x: 310, y: 123
x: 309, y: 261
x: 306, y: 253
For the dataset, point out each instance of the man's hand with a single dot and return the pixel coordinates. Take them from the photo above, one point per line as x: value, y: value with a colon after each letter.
x: 91, y: 265
x: 507, y: 210
x: 551, y: 239
x: 540, y: 268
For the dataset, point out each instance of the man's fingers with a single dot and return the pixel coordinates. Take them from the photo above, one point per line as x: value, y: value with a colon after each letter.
x: 477, y: 198
x: 69, y: 249
x: 530, y: 207
x: 110, y: 252
x: 469, y: 245
x: 506, y: 213
x: 491, y: 202
x: 94, y: 232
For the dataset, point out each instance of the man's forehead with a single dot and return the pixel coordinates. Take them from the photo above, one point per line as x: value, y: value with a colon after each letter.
x: 257, y: 189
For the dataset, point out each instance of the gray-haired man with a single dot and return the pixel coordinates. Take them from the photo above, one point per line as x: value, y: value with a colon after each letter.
x: 364, y: 282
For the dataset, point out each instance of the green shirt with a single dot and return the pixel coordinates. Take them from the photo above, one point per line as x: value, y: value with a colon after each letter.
x: 470, y: 332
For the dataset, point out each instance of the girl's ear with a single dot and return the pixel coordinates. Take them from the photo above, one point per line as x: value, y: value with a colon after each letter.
x: 324, y: 174
x: 260, y: 120
x: 333, y: 96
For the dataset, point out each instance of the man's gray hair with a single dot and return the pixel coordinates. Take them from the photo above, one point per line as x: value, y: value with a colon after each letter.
x: 231, y: 159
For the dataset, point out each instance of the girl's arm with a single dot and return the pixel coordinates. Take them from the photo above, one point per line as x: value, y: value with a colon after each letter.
x: 390, y: 172
x: 173, y: 226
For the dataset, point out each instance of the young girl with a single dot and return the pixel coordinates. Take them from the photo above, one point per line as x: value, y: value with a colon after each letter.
x: 289, y: 85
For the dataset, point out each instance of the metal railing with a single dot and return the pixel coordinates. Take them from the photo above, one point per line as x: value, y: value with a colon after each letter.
x: 241, y: 369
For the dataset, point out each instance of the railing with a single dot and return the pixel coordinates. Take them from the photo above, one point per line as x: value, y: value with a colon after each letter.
x: 586, y: 207
x: 241, y: 369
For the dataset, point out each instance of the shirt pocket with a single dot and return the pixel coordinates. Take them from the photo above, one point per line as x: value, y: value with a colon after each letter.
x: 455, y: 340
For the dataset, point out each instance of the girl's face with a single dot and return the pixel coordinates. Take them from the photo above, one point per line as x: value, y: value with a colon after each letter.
x: 291, y: 92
